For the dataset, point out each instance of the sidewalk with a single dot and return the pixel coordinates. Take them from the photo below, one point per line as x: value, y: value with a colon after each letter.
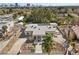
x: 38, y: 48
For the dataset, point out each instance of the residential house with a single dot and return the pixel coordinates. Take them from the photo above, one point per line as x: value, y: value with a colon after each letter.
x: 36, y: 32
x: 76, y: 30
x: 6, y: 20
x: 20, y: 20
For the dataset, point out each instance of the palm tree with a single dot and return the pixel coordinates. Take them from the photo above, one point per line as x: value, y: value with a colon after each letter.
x: 47, y: 45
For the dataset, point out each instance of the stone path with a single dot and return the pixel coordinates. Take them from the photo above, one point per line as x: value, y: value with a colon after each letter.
x: 38, y: 48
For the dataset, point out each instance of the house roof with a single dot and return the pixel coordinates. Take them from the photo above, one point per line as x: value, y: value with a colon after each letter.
x: 21, y: 18
x: 31, y: 27
x: 39, y: 30
x: 53, y: 24
x: 76, y: 30
x: 2, y: 24
x: 35, y: 27
x: 6, y: 15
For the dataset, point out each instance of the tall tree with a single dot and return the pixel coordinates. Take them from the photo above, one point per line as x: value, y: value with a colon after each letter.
x: 47, y: 45
x: 40, y: 15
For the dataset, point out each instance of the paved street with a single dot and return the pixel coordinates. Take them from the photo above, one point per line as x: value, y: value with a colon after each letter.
x: 22, y: 34
x: 16, y: 47
x: 3, y: 44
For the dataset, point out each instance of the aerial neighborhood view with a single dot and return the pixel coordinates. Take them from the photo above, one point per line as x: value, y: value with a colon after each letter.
x: 38, y: 29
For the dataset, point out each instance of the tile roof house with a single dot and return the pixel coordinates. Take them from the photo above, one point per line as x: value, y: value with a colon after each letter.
x: 76, y: 30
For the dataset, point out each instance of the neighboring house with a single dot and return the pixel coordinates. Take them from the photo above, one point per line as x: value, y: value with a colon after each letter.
x: 6, y: 20
x: 76, y: 30
x: 69, y: 33
x: 36, y: 32
x: 21, y: 18
x: 62, y: 14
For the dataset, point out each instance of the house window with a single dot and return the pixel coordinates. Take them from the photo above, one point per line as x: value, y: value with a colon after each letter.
x: 39, y: 38
x: 34, y: 37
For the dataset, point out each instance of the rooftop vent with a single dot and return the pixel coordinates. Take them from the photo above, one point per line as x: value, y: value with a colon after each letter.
x: 35, y: 27
x: 31, y: 26
x: 49, y: 27
x: 39, y: 29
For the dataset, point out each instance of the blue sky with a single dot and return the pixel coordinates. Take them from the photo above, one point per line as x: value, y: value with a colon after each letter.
x: 46, y: 4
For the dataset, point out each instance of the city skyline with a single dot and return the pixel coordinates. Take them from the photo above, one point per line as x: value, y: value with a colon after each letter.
x: 41, y: 4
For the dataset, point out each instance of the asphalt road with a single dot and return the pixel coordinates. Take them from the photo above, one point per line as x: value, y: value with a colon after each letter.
x: 22, y: 34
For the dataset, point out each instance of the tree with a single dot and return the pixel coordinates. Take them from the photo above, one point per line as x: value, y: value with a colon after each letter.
x: 10, y: 10
x: 4, y: 28
x: 40, y: 15
x: 47, y: 45
x: 14, y: 16
x: 69, y: 19
x: 3, y: 11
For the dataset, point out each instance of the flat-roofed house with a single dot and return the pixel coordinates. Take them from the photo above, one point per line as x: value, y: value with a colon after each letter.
x: 36, y: 32
x: 6, y: 20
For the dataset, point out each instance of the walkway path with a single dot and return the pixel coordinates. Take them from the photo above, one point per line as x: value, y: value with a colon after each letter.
x: 38, y: 48
x: 59, y: 38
